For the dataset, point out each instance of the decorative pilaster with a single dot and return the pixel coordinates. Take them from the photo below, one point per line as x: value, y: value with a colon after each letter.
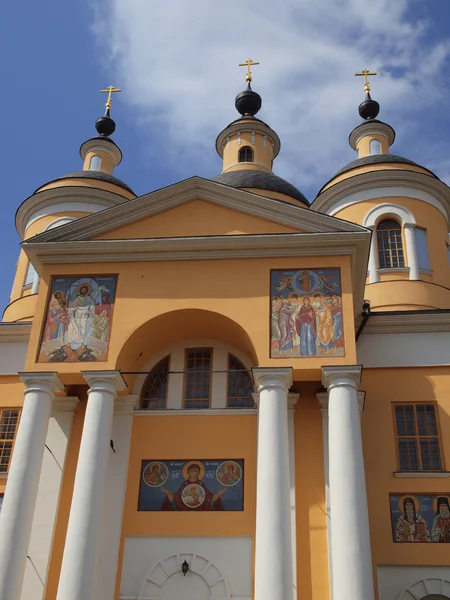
x: 411, y: 250
x: 374, y: 276
x: 350, y: 537
x: 273, y: 557
x: 23, y: 480
x: 84, y: 528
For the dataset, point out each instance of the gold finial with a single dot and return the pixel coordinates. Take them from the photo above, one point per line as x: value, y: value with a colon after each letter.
x: 248, y: 63
x: 365, y: 73
x: 110, y: 91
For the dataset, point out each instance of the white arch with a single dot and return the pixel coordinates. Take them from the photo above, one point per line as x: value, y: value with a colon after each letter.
x: 408, y: 221
x: 389, y: 209
x: 433, y: 588
x: 212, y: 575
x: 52, y: 225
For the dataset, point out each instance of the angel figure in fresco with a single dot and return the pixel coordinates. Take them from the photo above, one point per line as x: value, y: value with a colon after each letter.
x: 325, y: 285
x: 411, y: 527
x: 179, y: 501
x: 284, y: 284
x: 305, y: 324
x: 440, y: 531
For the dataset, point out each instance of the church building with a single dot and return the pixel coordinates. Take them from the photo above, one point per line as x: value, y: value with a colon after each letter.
x: 220, y: 390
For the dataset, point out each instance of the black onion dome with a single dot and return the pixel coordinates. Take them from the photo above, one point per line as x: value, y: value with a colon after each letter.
x: 260, y: 180
x: 248, y: 102
x: 105, y: 125
x: 369, y: 109
x: 99, y: 175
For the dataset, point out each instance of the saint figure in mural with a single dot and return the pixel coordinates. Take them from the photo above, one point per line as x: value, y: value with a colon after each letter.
x: 411, y: 527
x: 185, y: 499
x: 440, y: 531
x: 336, y: 311
x: 305, y: 282
x: 276, y: 334
x: 286, y: 327
x: 324, y: 324
x: 306, y: 328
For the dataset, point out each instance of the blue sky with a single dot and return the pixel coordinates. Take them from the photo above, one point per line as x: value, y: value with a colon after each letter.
x: 177, y: 64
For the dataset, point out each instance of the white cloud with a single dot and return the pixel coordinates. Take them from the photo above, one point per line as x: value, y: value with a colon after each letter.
x: 177, y: 63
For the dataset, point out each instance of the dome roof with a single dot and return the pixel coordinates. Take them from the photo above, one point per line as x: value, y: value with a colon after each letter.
x: 376, y: 159
x: 260, y: 179
x: 99, y: 175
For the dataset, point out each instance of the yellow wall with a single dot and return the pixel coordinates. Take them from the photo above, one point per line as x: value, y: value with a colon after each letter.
x: 385, y: 386
x: 184, y: 221
x: 262, y: 157
x: 363, y: 144
x: 375, y: 167
x: 162, y: 302
x: 106, y: 163
x: 88, y: 183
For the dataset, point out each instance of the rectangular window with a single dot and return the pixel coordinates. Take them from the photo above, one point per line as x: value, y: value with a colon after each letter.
x: 9, y: 420
x: 197, y: 381
x: 31, y: 273
x: 417, y: 437
x: 422, y: 249
x: 390, y: 245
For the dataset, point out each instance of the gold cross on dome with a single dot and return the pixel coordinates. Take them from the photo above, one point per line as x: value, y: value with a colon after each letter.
x: 110, y: 90
x: 248, y: 63
x: 365, y: 73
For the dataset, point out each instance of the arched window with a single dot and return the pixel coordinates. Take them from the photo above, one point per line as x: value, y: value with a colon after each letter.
x: 198, y: 377
x: 95, y: 162
x: 154, y: 390
x: 240, y: 387
x: 246, y: 154
x: 375, y: 147
x: 390, y: 244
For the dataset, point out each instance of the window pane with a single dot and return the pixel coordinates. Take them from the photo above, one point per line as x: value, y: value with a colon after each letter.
x: 240, y: 387
x: 404, y: 417
x: 431, y: 455
x: 390, y: 248
x: 422, y: 249
x: 375, y: 147
x: 407, y: 450
x: 154, y: 392
x: 426, y: 419
x: 198, y: 378
x: 31, y: 272
x: 95, y: 163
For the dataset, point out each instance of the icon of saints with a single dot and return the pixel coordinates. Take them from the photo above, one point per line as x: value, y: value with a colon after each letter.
x: 193, y: 494
x: 155, y: 474
x: 229, y: 474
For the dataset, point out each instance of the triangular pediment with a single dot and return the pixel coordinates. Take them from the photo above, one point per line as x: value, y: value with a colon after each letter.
x: 196, y: 207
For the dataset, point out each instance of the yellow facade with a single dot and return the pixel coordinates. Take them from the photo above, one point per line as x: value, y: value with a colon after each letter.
x: 196, y: 267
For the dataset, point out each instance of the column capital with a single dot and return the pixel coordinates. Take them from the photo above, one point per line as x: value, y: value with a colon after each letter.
x: 125, y: 405
x: 46, y: 382
x: 292, y: 400
x: 341, y: 375
x: 65, y: 405
x: 268, y: 377
x: 322, y: 397
x: 107, y: 381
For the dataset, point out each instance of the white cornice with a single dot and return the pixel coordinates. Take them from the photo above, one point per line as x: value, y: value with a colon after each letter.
x: 408, y: 323
x: 327, y: 200
x: 197, y: 188
x: 210, y: 412
x: 84, y: 198
x: 370, y: 127
x: 15, y: 332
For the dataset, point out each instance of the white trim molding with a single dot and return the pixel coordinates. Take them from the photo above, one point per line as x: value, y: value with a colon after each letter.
x: 432, y: 588
x: 421, y: 474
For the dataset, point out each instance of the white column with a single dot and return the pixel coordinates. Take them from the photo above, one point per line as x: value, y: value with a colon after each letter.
x: 350, y: 537
x: 116, y: 486
x: 47, y: 500
x: 322, y: 397
x: 84, y: 529
x: 292, y: 401
x: 273, y: 555
x: 23, y: 480
x: 411, y: 250
x: 374, y: 276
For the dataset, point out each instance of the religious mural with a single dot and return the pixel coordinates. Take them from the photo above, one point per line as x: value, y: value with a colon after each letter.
x: 420, y: 518
x: 192, y: 485
x: 306, y: 313
x: 78, y: 320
